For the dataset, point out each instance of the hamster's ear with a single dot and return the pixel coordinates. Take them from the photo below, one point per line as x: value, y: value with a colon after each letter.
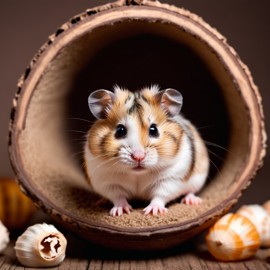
x: 171, y: 101
x: 100, y: 102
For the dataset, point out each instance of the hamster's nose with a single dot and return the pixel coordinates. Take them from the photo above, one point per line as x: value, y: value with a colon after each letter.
x: 138, y: 155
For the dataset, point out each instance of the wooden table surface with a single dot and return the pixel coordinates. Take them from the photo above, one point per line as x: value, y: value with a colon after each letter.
x: 81, y: 255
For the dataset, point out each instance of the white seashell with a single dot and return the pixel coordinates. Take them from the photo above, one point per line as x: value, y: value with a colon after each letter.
x: 261, y: 219
x: 233, y: 238
x: 41, y: 245
x: 266, y: 206
x: 4, y: 237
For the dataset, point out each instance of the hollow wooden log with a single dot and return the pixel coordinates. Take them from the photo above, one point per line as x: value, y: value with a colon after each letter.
x: 134, y: 43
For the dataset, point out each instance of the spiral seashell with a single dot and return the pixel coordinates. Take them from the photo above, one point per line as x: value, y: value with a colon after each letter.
x: 233, y: 238
x: 261, y: 219
x: 4, y: 237
x: 15, y: 208
x: 41, y: 245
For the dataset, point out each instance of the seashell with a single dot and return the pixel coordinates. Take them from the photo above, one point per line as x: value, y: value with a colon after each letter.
x: 266, y: 206
x: 261, y: 219
x: 233, y: 238
x: 41, y: 245
x: 15, y: 208
x: 4, y: 237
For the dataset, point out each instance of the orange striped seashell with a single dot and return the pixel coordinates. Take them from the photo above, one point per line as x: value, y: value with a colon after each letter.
x: 233, y: 238
x: 266, y: 206
x: 260, y: 218
x: 15, y: 208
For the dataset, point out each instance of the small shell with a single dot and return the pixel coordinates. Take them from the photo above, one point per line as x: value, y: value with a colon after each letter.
x: 16, y: 209
x: 266, y: 206
x: 41, y: 245
x: 233, y: 238
x: 4, y: 237
x: 261, y: 219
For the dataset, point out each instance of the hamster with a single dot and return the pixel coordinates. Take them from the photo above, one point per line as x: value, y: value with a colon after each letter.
x: 142, y: 147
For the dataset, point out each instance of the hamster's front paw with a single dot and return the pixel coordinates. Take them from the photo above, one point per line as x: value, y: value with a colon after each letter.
x: 191, y: 199
x: 122, y: 206
x: 155, y: 207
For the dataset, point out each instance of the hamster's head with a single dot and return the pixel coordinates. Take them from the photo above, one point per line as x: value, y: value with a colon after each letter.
x: 134, y: 129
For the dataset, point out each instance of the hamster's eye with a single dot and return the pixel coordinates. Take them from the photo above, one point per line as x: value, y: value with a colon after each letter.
x: 153, y: 130
x: 121, y: 132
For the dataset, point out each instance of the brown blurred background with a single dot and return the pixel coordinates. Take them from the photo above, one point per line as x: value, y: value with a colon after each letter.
x: 25, y: 26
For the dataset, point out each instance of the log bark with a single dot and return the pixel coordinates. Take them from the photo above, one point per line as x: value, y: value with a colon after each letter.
x: 39, y: 147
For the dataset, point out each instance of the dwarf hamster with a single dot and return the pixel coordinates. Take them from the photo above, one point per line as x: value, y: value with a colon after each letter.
x: 142, y: 147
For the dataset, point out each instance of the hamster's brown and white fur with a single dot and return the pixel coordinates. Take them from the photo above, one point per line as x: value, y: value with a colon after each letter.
x: 141, y: 147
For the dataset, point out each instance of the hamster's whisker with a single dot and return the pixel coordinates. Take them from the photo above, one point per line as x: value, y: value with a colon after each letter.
x: 77, y: 140
x: 216, y: 155
x: 77, y: 131
x: 107, y: 155
x: 80, y: 119
x: 100, y: 156
x: 213, y: 163
x: 76, y: 154
x: 103, y: 163
x: 83, y: 165
x: 217, y: 146
x: 115, y: 168
x: 156, y: 168
x: 203, y: 127
x: 108, y: 158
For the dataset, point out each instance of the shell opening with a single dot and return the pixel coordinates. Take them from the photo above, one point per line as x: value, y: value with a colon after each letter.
x: 218, y: 243
x: 50, y: 247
